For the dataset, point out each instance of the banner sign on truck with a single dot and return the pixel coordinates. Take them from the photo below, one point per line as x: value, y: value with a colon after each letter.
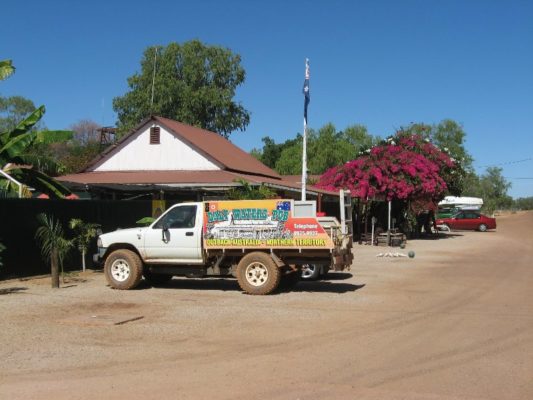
x: 260, y: 223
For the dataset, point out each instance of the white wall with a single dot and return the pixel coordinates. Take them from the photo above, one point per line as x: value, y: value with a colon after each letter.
x: 137, y: 154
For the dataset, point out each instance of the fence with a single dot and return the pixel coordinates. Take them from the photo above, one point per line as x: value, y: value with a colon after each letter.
x: 18, y: 223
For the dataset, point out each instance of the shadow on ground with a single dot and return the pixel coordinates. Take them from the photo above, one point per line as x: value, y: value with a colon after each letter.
x: 12, y: 290
x: 228, y: 284
x: 325, y: 287
x: 438, y: 236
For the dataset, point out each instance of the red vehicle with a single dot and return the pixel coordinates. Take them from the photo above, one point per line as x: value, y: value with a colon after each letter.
x: 468, y: 219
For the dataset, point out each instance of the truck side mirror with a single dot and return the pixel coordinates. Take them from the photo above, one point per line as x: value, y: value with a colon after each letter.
x: 165, y: 233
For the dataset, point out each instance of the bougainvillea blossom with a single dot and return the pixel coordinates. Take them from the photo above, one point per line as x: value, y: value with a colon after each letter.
x: 403, y: 167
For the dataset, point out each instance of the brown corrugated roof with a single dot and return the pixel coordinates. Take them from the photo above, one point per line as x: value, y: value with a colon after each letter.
x: 284, y: 183
x: 150, y: 177
x: 219, y: 148
x: 178, y: 178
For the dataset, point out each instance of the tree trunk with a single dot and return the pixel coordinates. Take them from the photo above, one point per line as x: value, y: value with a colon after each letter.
x: 54, y: 259
x: 83, y: 259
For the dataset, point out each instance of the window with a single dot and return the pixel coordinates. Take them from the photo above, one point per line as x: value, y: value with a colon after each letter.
x: 155, y: 135
x: 472, y: 215
x: 179, y: 217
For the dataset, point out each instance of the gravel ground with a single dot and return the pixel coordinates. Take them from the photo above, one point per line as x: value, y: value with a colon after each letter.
x: 455, y: 322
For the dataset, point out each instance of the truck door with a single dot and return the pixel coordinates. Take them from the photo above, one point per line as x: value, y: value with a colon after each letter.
x: 176, y: 237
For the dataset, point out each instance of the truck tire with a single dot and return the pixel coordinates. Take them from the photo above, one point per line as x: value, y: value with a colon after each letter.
x: 311, y: 272
x: 258, y: 274
x: 123, y: 269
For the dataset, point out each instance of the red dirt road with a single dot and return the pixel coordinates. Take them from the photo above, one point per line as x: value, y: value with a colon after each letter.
x: 455, y: 322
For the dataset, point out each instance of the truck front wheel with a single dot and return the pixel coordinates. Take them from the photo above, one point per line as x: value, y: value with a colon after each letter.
x: 258, y: 274
x: 123, y: 269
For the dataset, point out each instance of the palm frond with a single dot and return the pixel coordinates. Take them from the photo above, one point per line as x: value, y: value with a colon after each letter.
x: 50, y: 237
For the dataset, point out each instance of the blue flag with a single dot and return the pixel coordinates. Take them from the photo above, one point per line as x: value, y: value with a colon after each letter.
x: 307, y: 95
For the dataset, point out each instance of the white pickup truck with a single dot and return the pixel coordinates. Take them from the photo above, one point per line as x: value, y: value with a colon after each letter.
x: 260, y: 242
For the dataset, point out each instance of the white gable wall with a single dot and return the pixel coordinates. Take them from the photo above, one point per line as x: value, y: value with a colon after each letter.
x: 137, y: 154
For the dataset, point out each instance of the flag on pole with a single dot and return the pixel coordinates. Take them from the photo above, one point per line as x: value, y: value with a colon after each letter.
x: 307, y: 95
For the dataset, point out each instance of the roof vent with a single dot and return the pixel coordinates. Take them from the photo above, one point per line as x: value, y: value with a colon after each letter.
x: 155, y: 135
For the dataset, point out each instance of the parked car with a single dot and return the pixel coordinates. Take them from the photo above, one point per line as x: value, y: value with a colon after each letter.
x: 466, y: 219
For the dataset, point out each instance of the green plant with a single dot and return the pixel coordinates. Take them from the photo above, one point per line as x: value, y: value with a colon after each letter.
x: 249, y: 192
x: 145, y: 221
x: 54, y: 246
x: 85, y: 232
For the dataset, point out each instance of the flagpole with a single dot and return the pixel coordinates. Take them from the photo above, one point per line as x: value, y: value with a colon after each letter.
x: 304, y: 161
x: 304, y: 149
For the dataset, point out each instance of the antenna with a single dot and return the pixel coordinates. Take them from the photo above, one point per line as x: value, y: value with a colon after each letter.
x: 103, y: 111
x: 153, y: 78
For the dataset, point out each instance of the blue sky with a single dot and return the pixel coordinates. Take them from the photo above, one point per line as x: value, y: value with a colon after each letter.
x: 382, y: 64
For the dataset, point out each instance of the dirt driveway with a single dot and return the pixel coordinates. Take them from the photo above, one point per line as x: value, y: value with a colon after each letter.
x: 455, y: 322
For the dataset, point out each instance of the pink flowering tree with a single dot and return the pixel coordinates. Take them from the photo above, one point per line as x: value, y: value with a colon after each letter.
x: 404, y: 167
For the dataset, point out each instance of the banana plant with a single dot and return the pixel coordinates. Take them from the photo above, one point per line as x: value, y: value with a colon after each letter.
x: 15, y: 159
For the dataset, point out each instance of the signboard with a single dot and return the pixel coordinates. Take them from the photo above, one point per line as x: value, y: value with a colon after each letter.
x: 260, y: 223
x: 158, y: 208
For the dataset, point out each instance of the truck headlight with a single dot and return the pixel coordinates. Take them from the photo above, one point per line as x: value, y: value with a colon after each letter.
x: 99, y: 242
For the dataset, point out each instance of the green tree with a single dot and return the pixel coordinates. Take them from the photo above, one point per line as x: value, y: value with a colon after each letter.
x: 450, y: 135
x: 524, y: 203
x: 192, y: 83
x: 76, y: 153
x: 290, y: 158
x: 85, y: 232
x: 54, y: 246
x: 325, y: 149
x: 271, y: 151
x: 492, y: 187
x: 357, y: 138
x: 13, y: 110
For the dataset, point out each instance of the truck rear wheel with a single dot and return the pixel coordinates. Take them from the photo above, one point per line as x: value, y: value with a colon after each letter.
x: 311, y: 272
x: 258, y: 274
x: 123, y: 269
